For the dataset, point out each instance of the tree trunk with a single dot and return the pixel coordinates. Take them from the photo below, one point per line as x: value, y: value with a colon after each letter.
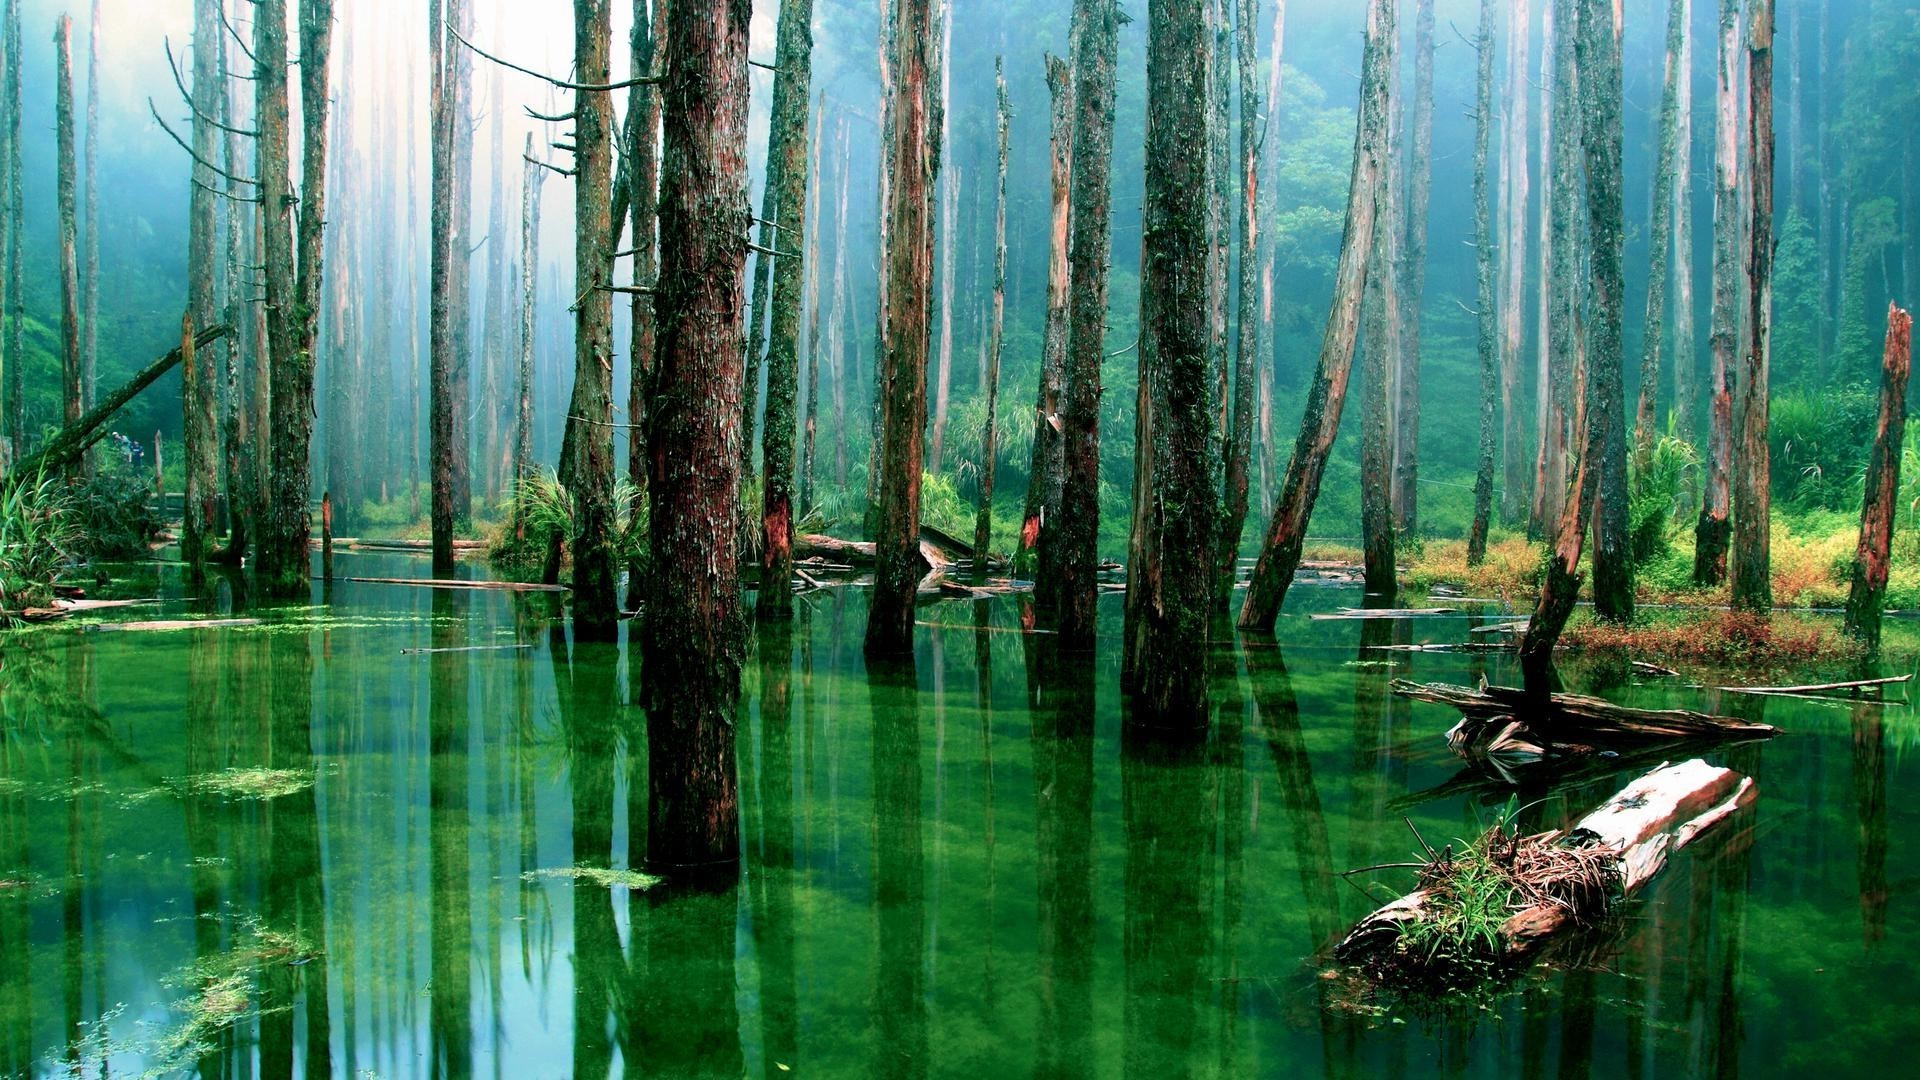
x: 242, y: 493
x: 757, y: 304
x: 1752, y: 494
x: 1686, y: 363
x: 1070, y: 545
x: 1490, y: 367
x: 1269, y: 212
x: 814, y: 314
x: 1413, y: 277
x: 460, y: 256
x: 792, y: 91
x: 199, y: 383
x: 989, y: 439
x: 1380, y: 317
x: 90, y: 256
x: 71, y: 377
x: 441, y: 404
x: 912, y: 163
x: 1320, y: 424
x: 1559, y: 247
x: 842, y: 315
x: 493, y: 347
x: 643, y: 126
x: 1047, y: 473
x: 691, y: 632
x: 1239, y: 446
x: 1602, y: 136
x: 1171, y: 583
x: 15, y: 210
x: 1596, y: 38
x: 1645, y: 419
x: 949, y: 211
x: 529, y: 324
x: 1219, y: 90
x: 1715, y: 529
x: 1513, y: 437
x: 1882, y: 503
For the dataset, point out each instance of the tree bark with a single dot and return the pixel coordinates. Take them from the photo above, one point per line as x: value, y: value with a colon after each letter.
x: 792, y: 91
x: 1882, y: 503
x: 72, y: 392
x: 460, y: 256
x: 758, y: 303
x: 1269, y: 211
x: 1752, y: 493
x: 529, y: 324
x: 989, y: 439
x: 15, y: 210
x: 1171, y: 582
x: 1047, y: 473
x: 842, y: 315
x: 1320, y: 424
x: 1646, y: 420
x: 493, y: 346
x: 199, y: 384
x: 912, y: 164
x: 1413, y: 278
x: 1559, y: 247
x: 1603, y: 138
x: 90, y: 255
x: 441, y: 404
x: 691, y: 633
x: 1219, y: 91
x: 643, y: 126
x: 949, y: 210
x: 1513, y: 439
x: 814, y: 314
x: 242, y: 492
x: 1380, y: 360
x: 1686, y: 364
x: 1490, y: 367
x: 1070, y: 545
x: 1715, y: 528
x: 1239, y: 447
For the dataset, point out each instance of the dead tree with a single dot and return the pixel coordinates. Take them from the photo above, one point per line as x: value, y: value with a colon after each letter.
x: 690, y: 635
x: 1070, y: 545
x: 810, y: 407
x: 1558, y: 250
x: 949, y: 210
x: 643, y: 126
x: 1413, y: 277
x: 493, y: 345
x: 1219, y: 91
x: 441, y: 403
x: 1269, y: 211
x: 90, y: 256
x: 1514, y: 459
x: 1320, y: 424
x: 1752, y: 492
x: 459, y: 89
x: 1254, y: 130
x: 15, y: 210
x: 529, y: 324
x: 1882, y: 504
x: 1715, y: 528
x: 1483, y: 277
x: 1652, y: 339
x: 1171, y: 582
x: 1047, y: 472
x: 989, y: 438
x: 1379, y: 350
x: 238, y: 420
x: 792, y: 90
x: 1685, y: 361
x: 912, y: 163
x: 71, y: 377
x: 841, y: 314
x: 1602, y: 136
x: 199, y: 383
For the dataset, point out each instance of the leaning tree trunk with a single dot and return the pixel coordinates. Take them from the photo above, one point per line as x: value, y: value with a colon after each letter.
x: 1752, y: 494
x: 1715, y: 529
x: 792, y: 90
x: 198, y: 383
x: 912, y: 163
x: 1171, y: 583
x: 71, y: 394
x: 691, y: 634
x: 1882, y: 503
x: 1652, y: 339
x: 1602, y: 136
x: 989, y: 437
x: 587, y: 459
x: 1070, y: 545
x: 1379, y: 349
x: 1413, y: 278
x: 643, y: 127
x: 441, y: 404
x: 1483, y: 277
x: 1047, y: 472
x: 1239, y: 447
x: 1597, y: 46
x: 1513, y: 439
x: 1287, y: 533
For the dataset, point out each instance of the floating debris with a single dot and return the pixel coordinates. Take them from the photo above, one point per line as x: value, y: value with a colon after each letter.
x: 605, y: 877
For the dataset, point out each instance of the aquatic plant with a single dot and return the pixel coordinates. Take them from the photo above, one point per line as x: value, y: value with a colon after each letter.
x: 39, y: 534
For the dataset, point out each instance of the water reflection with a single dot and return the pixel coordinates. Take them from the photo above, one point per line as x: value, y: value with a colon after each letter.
x: 899, y: 995
x: 1060, y: 700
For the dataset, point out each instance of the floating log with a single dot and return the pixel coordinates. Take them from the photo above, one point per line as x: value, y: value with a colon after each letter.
x: 1384, y: 613
x: 1848, y: 690
x: 173, y: 624
x: 1641, y: 667
x: 1565, y: 879
x: 1506, y: 721
x: 448, y: 583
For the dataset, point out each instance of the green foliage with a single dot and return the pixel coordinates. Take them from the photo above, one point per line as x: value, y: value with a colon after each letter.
x: 39, y: 534
x: 1817, y: 439
x: 546, y: 506
x: 1663, y: 493
x: 116, y: 514
x: 1797, y: 316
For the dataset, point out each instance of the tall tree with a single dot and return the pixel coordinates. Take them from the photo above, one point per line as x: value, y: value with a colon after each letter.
x: 459, y: 89
x: 441, y: 403
x: 198, y: 381
x: 792, y: 90
x: 810, y: 407
x: 493, y: 343
x: 1171, y: 584
x: 1219, y: 91
x: 1513, y: 254
x: 989, y: 437
x: 1686, y: 363
x: 1380, y: 346
x: 1070, y: 545
x: 643, y: 127
x: 1602, y: 136
x: 90, y: 257
x: 1254, y: 129
x: 1752, y: 494
x: 529, y: 316
x: 1715, y: 529
x: 241, y: 225
x: 691, y: 634
x: 949, y: 210
x: 1483, y: 277
x: 1413, y: 274
x: 1047, y: 472
x: 912, y: 163
x: 1557, y: 254
x: 1269, y: 213
x: 1652, y: 338
x: 293, y: 289
x: 15, y: 210
x: 71, y: 376
x: 1880, y: 508
x: 1326, y: 397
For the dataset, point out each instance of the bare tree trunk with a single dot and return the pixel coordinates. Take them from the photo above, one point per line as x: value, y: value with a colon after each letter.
x: 1490, y: 368
x: 912, y: 165
x: 1048, y: 471
x: 241, y: 491
x: 198, y: 382
x: 643, y: 127
x: 493, y: 347
x: 1380, y: 359
x: 842, y: 315
x: 1513, y: 436
x: 1269, y: 211
x: 529, y: 324
x: 1882, y: 504
x: 989, y: 439
x: 691, y: 633
x: 1561, y: 315
x: 442, y: 405
x: 758, y: 302
x: 1320, y: 424
x: 949, y: 210
x: 1752, y: 477
x: 1218, y: 88
x: 15, y: 211
x: 71, y: 377
x: 1645, y: 418
x: 1413, y: 277
x: 792, y: 91
x: 90, y: 256
x: 460, y: 255
x: 1545, y: 385
x: 1602, y: 136
x: 1070, y: 546
x: 1686, y: 363
x: 814, y: 314
x: 1171, y: 582
x: 1715, y: 528
x: 1239, y: 448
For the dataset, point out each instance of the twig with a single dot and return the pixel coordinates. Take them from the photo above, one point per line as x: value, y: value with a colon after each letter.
x: 590, y: 88
x: 202, y: 162
x: 185, y: 94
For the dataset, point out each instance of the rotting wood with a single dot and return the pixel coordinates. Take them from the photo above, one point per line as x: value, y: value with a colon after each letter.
x: 1507, y: 722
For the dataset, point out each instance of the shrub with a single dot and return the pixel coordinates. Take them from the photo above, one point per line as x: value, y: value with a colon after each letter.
x: 116, y: 517
x: 39, y: 534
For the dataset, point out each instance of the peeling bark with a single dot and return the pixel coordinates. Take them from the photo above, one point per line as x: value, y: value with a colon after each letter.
x: 1715, y: 529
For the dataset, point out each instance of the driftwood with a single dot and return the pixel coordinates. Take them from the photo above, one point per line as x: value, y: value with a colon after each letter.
x: 1383, y: 613
x: 448, y: 583
x: 1499, y: 720
x: 1624, y: 844
x: 1844, y: 690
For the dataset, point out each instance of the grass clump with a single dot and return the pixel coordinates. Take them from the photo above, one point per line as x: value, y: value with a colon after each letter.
x: 603, y: 876
x: 40, y: 534
x: 1720, y: 638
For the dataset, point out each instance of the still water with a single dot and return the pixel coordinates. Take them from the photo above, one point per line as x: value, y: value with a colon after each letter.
x: 307, y: 848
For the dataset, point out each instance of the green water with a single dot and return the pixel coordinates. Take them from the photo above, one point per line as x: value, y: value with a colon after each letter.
x: 296, y: 849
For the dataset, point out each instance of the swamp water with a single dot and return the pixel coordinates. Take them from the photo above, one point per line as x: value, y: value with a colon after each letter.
x: 300, y: 848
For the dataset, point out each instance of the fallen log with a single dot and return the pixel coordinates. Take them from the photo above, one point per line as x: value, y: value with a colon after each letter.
x: 76, y: 438
x: 173, y: 624
x: 448, y: 583
x: 1506, y: 721
x: 1383, y: 613
x: 1541, y: 885
x: 1852, y: 688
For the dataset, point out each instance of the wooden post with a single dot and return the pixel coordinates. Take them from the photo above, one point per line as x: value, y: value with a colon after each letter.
x: 326, y: 536
x: 1877, y: 513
